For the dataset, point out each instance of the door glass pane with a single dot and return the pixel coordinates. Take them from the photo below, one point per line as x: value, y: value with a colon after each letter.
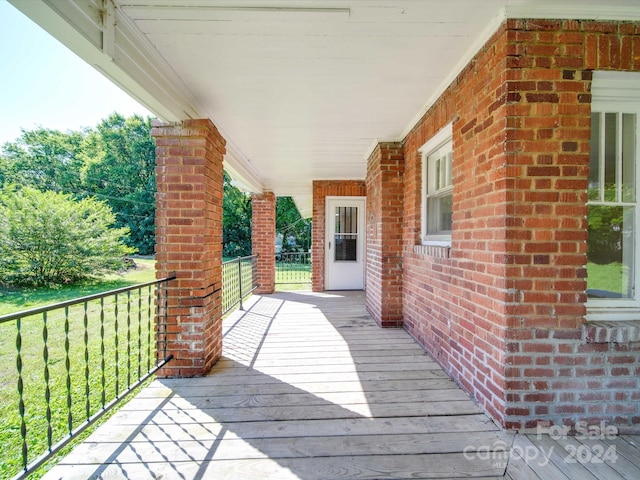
x: 610, y: 268
x: 346, y: 234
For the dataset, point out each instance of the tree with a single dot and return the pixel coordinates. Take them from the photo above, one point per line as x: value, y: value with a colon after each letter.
x: 49, y: 238
x: 44, y: 159
x: 119, y: 167
x: 290, y: 223
x: 115, y: 161
x: 236, y: 221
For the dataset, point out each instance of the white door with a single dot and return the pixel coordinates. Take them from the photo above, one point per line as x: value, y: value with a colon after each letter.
x: 345, y: 258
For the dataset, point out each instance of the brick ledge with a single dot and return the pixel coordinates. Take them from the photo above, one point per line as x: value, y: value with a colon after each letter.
x: 612, y: 332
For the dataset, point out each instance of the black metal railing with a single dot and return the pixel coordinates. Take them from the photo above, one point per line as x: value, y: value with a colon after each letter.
x: 239, y: 279
x: 74, y: 361
x: 293, y: 268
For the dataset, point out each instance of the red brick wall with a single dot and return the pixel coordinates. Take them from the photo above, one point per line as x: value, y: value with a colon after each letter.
x: 454, y: 300
x: 321, y: 190
x: 263, y: 240
x: 554, y: 371
x: 385, y: 193
x: 503, y: 309
x: 189, y: 241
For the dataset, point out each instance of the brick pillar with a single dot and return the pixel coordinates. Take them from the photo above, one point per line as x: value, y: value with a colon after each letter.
x: 189, y: 241
x: 263, y: 239
x: 385, y: 171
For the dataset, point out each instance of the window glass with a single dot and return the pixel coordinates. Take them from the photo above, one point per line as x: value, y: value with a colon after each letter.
x: 346, y: 234
x: 440, y: 213
x: 610, y: 268
x: 439, y: 202
x: 628, y: 157
x: 594, y: 158
x: 610, y: 156
x: 611, y: 244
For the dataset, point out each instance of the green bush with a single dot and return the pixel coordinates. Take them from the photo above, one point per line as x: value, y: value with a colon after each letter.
x: 49, y: 238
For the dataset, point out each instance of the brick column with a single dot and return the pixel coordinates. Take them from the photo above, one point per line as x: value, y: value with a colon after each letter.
x: 189, y: 241
x: 263, y: 239
x: 385, y: 170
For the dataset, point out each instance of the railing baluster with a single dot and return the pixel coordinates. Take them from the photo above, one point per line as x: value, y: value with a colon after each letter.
x: 254, y: 272
x: 139, y: 333
x: 21, y: 407
x: 103, y: 379
x: 47, y: 389
x: 128, y: 338
x: 240, y: 280
x: 116, y: 347
x: 149, y: 298
x: 57, y: 384
x: 67, y: 366
x: 87, y: 387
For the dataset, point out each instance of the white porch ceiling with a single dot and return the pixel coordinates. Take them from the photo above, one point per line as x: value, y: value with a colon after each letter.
x: 301, y: 89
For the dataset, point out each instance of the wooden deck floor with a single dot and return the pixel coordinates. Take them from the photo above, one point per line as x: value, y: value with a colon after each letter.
x: 310, y: 388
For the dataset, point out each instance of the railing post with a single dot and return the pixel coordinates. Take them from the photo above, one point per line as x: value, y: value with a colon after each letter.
x: 165, y: 320
x: 232, y: 283
x: 240, y: 280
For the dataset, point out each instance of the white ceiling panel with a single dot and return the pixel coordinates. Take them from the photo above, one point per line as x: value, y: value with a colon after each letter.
x: 301, y: 89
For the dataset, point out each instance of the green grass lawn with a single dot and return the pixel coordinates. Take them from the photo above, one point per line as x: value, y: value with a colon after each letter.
x: 607, y: 277
x: 15, y: 300
x: 126, y: 356
x: 293, y: 276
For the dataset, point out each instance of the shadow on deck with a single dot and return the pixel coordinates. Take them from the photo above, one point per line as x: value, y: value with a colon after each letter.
x: 310, y: 388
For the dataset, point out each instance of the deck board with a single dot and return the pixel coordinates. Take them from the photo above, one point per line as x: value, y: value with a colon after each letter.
x: 310, y: 388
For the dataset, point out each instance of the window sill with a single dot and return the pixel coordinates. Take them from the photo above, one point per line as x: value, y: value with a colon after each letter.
x: 612, y: 331
x: 435, y: 241
x: 434, y: 249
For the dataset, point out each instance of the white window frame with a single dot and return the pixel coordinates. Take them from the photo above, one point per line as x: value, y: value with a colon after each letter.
x: 619, y: 92
x: 438, y: 141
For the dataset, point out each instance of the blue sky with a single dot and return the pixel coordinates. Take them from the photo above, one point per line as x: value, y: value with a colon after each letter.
x: 44, y: 84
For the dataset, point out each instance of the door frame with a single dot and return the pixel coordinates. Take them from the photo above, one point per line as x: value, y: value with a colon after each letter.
x: 361, y: 203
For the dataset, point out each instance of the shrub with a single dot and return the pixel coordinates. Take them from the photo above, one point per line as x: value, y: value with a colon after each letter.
x: 49, y: 238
